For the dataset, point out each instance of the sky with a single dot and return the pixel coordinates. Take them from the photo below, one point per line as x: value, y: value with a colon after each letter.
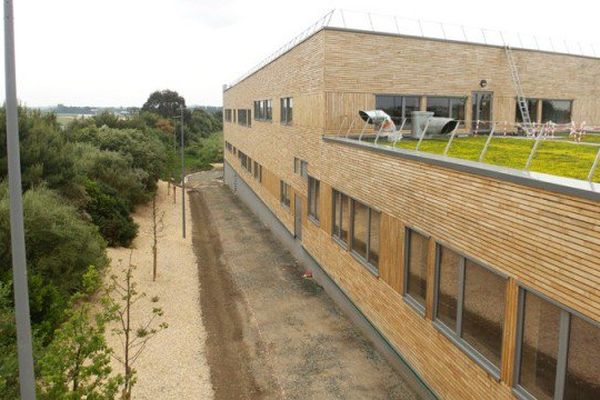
x: 116, y: 52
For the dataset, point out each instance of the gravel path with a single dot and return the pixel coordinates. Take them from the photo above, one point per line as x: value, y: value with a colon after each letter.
x: 271, y: 333
x: 174, y: 364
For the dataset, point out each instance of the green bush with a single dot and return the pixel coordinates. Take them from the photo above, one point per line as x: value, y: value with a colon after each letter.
x: 60, y: 248
x: 111, y: 214
x: 115, y: 170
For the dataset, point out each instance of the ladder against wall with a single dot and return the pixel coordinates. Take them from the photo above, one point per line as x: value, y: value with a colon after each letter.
x: 521, y: 99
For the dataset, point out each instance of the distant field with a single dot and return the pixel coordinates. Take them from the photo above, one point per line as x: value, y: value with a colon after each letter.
x: 64, y: 119
x: 556, y: 157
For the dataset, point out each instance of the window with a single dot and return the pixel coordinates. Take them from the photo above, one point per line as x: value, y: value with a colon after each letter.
x: 470, y: 304
x: 257, y: 171
x: 263, y: 110
x: 313, y: 198
x: 341, y: 217
x: 447, y: 107
x: 284, y: 194
x: 249, y: 165
x: 227, y: 115
x: 398, y: 107
x: 243, y: 160
x: 300, y: 167
x: 415, y: 266
x: 559, y: 352
x: 365, y: 233
x: 243, y: 117
x: 229, y: 147
x: 558, y: 111
x: 532, y: 106
x: 287, y: 106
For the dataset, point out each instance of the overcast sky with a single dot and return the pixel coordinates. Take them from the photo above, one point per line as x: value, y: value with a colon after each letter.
x: 115, y: 52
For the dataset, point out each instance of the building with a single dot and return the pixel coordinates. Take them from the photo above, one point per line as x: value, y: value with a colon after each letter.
x: 483, y: 281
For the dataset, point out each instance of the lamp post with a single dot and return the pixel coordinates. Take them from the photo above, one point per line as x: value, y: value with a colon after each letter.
x: 17, y: 231
x: 182, y: 144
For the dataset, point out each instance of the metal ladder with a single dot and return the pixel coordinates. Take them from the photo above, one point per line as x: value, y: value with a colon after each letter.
x: 521, y: 99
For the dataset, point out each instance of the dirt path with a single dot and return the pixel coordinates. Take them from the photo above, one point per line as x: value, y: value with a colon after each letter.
x: 271, y: 333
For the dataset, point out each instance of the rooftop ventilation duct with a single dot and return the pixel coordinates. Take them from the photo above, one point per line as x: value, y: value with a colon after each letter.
x: 378, y: 118
x: 435, y: 125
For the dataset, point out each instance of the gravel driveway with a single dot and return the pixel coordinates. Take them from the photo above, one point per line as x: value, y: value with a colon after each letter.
x: 270, y: 333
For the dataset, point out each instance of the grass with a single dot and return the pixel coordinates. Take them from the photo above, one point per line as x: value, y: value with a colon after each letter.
x: 555, y: 157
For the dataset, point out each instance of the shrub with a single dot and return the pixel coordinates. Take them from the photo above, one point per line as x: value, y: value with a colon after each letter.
x: 111, y: 214
x: 60, y: 248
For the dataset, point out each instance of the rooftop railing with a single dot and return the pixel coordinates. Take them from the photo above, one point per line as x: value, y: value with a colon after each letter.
x: 373, y: 22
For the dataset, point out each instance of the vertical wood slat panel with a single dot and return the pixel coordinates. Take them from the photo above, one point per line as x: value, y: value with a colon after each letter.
x: 510, y: 332
x: 391, y: 253
x: 326, y: 206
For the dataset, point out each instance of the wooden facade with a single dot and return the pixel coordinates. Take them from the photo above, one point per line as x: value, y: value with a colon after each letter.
x: 535, y: 238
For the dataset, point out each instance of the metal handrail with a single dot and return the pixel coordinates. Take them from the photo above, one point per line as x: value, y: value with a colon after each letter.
x: 358, y: 20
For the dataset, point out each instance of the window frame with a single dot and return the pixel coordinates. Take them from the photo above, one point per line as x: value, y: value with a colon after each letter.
x: 449, y: 104
x: 285, y: 200
x: 314, y: 215
x: 263, y: 110
x: 570, y: 101
x: 420, y: 308
x: 454, y: 335
x: 374, y: 269
x: 286, y: 111
x: 402, y: 106
x: 338, y: 238
x: 566, y: 314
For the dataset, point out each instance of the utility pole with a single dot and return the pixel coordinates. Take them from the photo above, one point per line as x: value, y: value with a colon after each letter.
x: 17, y: 231
x: 182, y: 177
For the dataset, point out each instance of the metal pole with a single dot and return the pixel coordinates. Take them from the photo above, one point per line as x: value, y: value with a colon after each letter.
x: 487, y: 143
x: 182, y: 178
x: 534, y: 148
x: 451, y: 139
x: 399, y: 133
x: 17, y: 231
x: 422, y: 134
x: 594, y: 166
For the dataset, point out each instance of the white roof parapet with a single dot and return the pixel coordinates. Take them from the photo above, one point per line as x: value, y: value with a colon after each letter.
x: 379, y: 23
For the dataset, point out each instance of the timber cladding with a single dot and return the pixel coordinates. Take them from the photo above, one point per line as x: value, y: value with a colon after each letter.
x: 540, y: 239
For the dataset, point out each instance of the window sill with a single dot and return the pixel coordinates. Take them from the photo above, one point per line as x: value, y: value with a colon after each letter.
x: 522, y: 394
x: 287, y: 123
x: 340, y: 242
x: 418, y: 307
x: 314, y: 220
x: 466, y: 348
x: 285, y: 206
x: 371, y: 268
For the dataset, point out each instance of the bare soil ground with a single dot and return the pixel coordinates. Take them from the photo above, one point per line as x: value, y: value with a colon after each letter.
x: 271, y: 333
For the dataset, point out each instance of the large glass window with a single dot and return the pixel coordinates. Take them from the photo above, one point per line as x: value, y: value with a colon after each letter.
x: 558, y: 111
x: 286, y: 110
x: 483, y: 311
x: 373, y: 251
x: 313, y: 198
x: 365, y: 224
x: 583, y: 372
x: 263, y: 110
x: 470, y: 302
x: 532, y: 106
x: 416, y: 266
x: 284, y: 194
x: 559, y: 352
x: 227, y: 115
x: 450, y: 264
x: 447, y: 107
x: 360, y: 228
x: 341, y: 216
x: 539, y: 347
x: 398, y: 107
x: 243, y: 117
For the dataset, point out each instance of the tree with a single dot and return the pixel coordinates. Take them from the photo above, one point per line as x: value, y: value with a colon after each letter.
x: 157, y: 228
x: 76, y: 364
x: 122, y: 296
x: 166, y: 103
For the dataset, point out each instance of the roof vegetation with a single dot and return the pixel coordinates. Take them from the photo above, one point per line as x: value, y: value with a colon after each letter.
x: 560, y: 157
